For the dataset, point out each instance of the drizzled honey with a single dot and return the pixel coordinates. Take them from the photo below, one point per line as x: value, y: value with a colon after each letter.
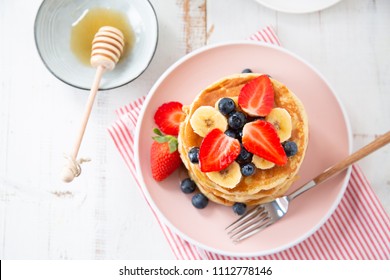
x: 85, y: 28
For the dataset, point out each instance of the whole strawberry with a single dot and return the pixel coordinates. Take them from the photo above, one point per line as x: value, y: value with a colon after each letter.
x: 164, y: 157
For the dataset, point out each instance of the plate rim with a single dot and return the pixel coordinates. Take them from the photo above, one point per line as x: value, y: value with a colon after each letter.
x: 271, y: 5
x: 137, y: 159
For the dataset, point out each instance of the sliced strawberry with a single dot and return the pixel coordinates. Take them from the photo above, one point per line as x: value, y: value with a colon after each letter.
x: 257, y: 96
x: 164, y: 157
x: 260, y: 138
x: 169, y: 116
x: 217, y: 151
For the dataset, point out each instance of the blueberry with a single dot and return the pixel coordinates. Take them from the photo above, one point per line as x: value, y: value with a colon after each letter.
x: 239, y: 208
x: 290, y: 148
x: 236, y: 120
x: 248, y: 169
x: 200, y: 201
x: 231, y: 133
x: 244, y: 156
x: 246, y: 70
x: 193, y: 155
x: 239, y: 136
x: 226, y: 105
x: 187, y: 186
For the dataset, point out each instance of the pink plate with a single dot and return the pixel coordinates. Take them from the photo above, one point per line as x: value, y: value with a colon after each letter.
x: 330, y: 141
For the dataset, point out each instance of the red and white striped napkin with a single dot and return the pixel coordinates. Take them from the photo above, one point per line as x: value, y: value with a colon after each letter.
x: 358, y: 229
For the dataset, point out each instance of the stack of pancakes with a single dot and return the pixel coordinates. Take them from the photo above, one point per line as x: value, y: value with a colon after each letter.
x: 263, y: 185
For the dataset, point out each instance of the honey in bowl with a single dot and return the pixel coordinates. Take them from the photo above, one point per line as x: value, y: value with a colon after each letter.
x: 86, y: 26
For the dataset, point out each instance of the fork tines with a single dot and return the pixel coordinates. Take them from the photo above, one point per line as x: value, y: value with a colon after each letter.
x: 251, y: 223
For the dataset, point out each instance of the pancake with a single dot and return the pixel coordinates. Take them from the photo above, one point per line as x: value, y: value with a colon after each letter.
x: 263, y: 185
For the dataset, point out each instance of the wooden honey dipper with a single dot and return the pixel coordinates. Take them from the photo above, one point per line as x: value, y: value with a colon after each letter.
x: 107, y: 48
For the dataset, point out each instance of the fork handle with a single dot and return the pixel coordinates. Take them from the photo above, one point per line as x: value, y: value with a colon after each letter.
x: 338, y: 167
x: 359, y: 154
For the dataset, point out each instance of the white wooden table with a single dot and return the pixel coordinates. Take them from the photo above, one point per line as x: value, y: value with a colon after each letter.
x: 102, y: 215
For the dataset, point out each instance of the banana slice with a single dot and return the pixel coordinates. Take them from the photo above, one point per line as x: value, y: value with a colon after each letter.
x: 205, y: 119
x: 261, y: 163
x: 281, y: 120
x: 228, y: 177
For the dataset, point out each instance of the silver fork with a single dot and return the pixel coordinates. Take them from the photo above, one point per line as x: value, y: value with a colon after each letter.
x: 264, y: 215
